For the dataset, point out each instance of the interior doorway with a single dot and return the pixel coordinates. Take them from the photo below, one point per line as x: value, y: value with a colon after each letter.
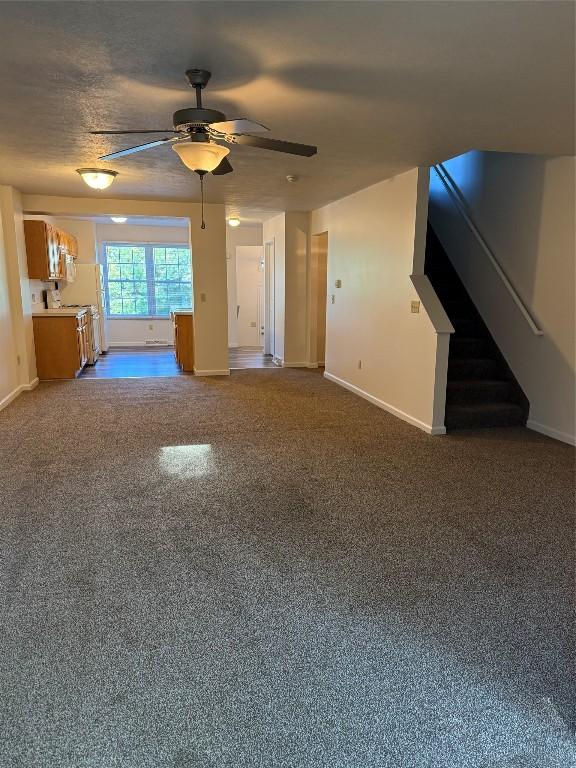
x: 318, y: 298
x: 253, y: 288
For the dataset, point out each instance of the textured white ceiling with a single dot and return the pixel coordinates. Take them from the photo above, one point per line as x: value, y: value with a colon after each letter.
x: 380, y: 87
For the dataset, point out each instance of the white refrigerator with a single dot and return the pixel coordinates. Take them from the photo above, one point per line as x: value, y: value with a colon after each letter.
x: 88, y: 288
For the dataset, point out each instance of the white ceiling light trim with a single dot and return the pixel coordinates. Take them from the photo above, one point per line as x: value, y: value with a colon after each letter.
x: 200, y: 156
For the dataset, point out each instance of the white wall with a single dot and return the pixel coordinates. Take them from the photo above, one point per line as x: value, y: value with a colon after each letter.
x: 17, y: 358
x: 524, y: 207
x: 296, y: 288
x: 375, y: 345
x: 245, y: 234
x: 139, y: 331
x: 8, y: 367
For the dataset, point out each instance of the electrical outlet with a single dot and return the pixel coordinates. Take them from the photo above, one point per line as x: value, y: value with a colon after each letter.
x: 415, y: 307
x: 333, y: 299
x: 253, y: 324
x: 202, y: 297
x: 150, y: 326
x: 34, y: 300
x: 338, y: 283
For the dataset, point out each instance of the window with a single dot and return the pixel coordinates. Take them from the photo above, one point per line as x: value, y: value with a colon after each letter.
x: 146, y: 280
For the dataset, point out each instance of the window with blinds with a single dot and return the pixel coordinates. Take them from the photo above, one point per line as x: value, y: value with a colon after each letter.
x: 146, y: 279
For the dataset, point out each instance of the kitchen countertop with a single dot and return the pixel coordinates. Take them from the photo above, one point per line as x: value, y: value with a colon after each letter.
x: 64, y: 312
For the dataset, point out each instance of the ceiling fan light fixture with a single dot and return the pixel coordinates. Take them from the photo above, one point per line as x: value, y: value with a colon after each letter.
x: 97, y: 178
x: 200, y: 156
x: 234, y: 221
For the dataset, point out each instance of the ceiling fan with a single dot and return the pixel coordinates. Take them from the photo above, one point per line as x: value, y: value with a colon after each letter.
x: 198, y: 132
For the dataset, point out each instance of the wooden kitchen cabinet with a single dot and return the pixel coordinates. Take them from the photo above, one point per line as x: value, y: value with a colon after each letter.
x: 47, y: 248
x: 61, y: 343
x: 183, y: 328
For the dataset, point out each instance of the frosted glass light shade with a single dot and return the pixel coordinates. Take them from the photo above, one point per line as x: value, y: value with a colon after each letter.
x: 200, y: 155
x: 234, y: 221
x: 97, y: 178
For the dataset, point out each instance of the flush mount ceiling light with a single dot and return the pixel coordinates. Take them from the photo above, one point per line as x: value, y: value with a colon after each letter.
x: 119, y: 219
x: 97, y: 178
x: 234, y: 221
x: 200, y: 155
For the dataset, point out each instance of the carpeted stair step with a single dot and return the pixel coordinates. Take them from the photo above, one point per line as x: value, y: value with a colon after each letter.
x: 483, y: 415
x: 459, y: 306
x: 470, y: 325
x: 472, y: 368
x: 461, y: 346
x: 466, y: 392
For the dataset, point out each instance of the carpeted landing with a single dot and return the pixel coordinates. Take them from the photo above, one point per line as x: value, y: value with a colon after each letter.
x: 268, y: 572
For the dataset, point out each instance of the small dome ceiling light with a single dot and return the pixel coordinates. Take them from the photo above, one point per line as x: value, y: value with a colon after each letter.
x: 97, y: 178
x: 234, y: 221
x: 119, y: 219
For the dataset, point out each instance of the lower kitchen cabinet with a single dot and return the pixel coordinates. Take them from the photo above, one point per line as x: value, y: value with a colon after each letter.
x: 61, y: 344
x: 183, y: 327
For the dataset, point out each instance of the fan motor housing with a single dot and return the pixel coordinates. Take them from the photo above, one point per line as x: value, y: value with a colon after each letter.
x: 196, y: 117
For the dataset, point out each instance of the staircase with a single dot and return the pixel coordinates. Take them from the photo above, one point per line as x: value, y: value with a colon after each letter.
x: 481, y: 389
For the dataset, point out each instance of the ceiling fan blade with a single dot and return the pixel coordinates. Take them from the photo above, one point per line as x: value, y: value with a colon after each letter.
x: 240, y: 125
x: 139, y: 148
x: 262, y: 142
x: 122, y: 133
x: 223, y: 168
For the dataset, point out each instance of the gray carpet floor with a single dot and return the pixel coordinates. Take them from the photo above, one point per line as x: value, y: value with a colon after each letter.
x: 266, y: 571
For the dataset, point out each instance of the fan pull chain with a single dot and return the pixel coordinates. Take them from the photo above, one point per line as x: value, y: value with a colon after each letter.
x: 203, y: 225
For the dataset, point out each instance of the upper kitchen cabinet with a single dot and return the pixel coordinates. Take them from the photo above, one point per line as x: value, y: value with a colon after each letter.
x: 50, y: 251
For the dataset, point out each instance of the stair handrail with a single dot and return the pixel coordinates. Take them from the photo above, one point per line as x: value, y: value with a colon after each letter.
x: 455, y: 194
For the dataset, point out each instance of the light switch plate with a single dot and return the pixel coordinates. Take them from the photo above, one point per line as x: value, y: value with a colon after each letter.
x: 415, y: 307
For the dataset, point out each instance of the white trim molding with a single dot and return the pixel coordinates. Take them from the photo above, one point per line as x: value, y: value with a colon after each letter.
x: 295, y: 365
x: 223, y: 372
x: 15, y: 392
x: 428, y: 428
x: 551, y: 432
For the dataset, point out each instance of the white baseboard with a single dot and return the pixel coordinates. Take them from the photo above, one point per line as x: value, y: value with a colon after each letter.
x: 223, y: 372
x: 138, y: 344
x: 294, y: 365
x: 232, y: 345
x: 15, y: 392
x: 550, y: 432
x: 386, y: 406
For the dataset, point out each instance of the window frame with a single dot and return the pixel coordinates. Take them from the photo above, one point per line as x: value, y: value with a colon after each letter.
x: 148, y: 247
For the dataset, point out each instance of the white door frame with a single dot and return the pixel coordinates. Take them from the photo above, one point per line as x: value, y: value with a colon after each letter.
x: 269, y: 298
